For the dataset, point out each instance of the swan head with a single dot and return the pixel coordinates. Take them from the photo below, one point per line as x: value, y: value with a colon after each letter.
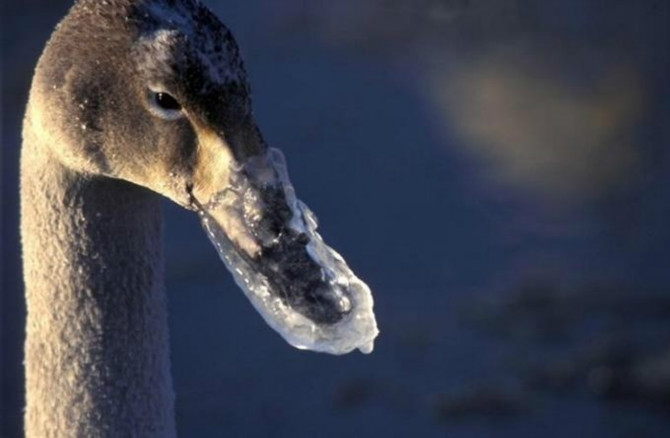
x: 155, y: 93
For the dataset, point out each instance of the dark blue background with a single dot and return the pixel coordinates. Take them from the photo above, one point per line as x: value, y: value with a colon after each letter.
x: 496, y: 171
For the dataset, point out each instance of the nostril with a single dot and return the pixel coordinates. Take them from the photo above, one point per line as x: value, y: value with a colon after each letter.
x: 303, y: 239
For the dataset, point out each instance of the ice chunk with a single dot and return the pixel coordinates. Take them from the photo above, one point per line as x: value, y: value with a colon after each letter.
x: 267, y: 238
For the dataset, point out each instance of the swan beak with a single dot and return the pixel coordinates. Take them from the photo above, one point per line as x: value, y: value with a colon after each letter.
x: 267, y: 238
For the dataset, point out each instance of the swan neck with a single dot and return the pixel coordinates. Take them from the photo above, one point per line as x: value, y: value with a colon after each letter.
x: 96, y: 352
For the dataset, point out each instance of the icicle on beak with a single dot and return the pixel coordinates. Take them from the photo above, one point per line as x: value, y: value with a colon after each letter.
x: 267, y: 239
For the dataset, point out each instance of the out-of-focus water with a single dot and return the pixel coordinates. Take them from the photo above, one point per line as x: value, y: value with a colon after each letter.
x: 497, y: 172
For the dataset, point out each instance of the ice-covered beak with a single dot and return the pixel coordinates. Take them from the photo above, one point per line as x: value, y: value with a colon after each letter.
x: 267, y: 238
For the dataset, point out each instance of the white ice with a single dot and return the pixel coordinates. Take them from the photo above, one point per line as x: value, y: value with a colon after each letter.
x: 357, y: 330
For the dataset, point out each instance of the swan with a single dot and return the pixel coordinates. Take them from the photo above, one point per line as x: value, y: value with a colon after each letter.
x: 132, y: 100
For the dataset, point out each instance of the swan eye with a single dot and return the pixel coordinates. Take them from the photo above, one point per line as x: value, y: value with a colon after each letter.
x: 167, y: 102
x: 164, y: 105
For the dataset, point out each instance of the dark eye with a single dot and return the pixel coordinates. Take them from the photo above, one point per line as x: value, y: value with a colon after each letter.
x: 163, y: 105
x: 167, y: 102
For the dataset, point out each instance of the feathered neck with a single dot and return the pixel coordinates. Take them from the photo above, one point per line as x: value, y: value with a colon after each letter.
x: 96, y: 352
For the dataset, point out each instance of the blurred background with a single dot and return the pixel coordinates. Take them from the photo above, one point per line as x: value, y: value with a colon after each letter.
x: 497, y: 171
